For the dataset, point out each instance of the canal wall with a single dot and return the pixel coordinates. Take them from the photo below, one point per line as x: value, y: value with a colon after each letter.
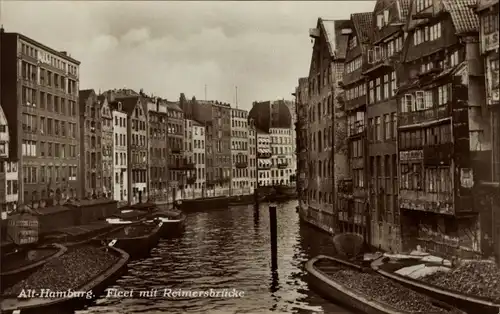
x: 316, y: 218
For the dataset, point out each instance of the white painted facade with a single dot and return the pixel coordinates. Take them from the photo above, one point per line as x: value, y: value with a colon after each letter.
x: 240, y: 175
x: 264, y: 146
x: 283, y: 162
x: 199, y: 159
x: 252, y: 158
x: 189, y: 155
x: 9, y: 190
x: 120, y: 148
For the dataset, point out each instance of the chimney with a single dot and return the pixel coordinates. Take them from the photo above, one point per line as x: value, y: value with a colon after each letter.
x: 64, y: 53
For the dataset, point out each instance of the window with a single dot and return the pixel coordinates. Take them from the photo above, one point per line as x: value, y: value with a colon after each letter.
x: 454, y: 59
x: 386, y: 86
x: 371, y: 93
x: 419, y: 100
x: 428, y: 99
x: 423, y: 4
x: 442, y: 94
x: 380, y: 21
x: 407, y: 103
x: 378, y: 89
x: 352, y: 42
x: 378, y: 129
x: 393, y: 87
x: 394, y: 119
x: 435, y: 31
x: 490, y: 23
x: 387, y: 125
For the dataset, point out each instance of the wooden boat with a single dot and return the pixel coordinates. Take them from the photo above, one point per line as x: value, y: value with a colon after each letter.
x: 18, y: 265
x: 76, y: 234
x: 172, y: 223
x: 131, y: 214
x: 469, y: 303
x: 319, y: 271
x: 241, y: 200
x: 137, y: 239
x: 14, y: 305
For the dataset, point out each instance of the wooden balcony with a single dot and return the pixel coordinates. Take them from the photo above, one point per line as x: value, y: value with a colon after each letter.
x: 439, y: 203
x: 241, y: 164
x: 264, y: 154
x: 176, y: 150
x: 421, y: 116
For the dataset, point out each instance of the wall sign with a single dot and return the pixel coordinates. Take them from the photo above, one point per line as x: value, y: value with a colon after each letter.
x: 466, y: 178
x: 23, y: 229
x: 411, y: 155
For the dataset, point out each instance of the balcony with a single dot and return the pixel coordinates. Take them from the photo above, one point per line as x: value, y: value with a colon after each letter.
x: 189, y: 165
x: 264, y: 153
x: 356, y: 129
x: 282, y: 164
x: 191, y: 180
x: 241, y: 164
x: 176, y: 150
x: 439, y: 203
x: 428, y: 115
x: 264, y: 164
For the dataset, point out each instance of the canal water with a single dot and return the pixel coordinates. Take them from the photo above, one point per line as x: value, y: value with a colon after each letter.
x: 226, y: 249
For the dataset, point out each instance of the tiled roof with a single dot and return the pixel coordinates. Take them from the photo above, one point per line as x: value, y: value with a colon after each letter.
x: 173, y: 106
x: 128, y: 103
x: 462, y: 14
x: 363, y: 25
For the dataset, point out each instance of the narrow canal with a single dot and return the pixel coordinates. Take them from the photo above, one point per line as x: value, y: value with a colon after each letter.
x: 229, y: 249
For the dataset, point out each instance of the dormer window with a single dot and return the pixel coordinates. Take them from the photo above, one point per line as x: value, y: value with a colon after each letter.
x: 380, y: 21
x: 386, y: 17
x: 423, y: 4
x: 353, y: 42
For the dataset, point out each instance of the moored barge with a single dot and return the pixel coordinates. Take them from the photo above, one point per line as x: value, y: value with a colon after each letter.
x: 348, y: 283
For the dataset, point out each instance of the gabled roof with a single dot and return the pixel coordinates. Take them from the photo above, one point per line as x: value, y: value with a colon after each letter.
x: 174, y: 106
x: 128, y: 103
x: 462, y: 15
x: 332, y: 30
x: 398, y: 13
x: 363, y: 25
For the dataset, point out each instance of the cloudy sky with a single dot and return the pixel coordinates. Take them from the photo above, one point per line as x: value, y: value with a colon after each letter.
x: 171, y: 47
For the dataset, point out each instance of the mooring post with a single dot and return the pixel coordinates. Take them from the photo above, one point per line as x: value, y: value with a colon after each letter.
x: 274, y: 236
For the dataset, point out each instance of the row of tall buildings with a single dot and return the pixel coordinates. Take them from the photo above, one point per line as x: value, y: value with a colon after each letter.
x: 58, y: 142
x: 398, y: 131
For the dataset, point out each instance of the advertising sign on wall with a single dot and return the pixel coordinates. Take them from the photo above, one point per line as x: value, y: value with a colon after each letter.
x: 23, y: 229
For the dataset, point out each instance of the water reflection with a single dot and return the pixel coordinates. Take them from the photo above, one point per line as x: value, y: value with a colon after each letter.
x: 219, y: 250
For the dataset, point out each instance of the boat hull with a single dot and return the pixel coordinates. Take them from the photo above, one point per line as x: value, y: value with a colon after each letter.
x: 467, y: 303
x: 338, y: 292
x: 9, y: 278
x: 333, y: 290
x: 48, y: 306
x: 172, y: 223
x: 136, y: 247
x: 203, y: 204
